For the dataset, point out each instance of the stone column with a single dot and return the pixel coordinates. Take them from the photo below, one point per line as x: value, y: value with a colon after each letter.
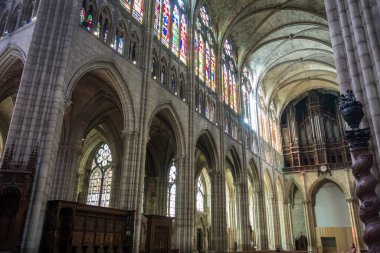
x: 129, y: 171
x: 37, y: 117
x: 276, y: 221
x: 66, y: 167
x: 356, y: 54
x: 288, y: 226
x: 310, y: 226
x: 185, y: 205
x: 243, y: 215
x: 261, y: 237
x: 218, y: 217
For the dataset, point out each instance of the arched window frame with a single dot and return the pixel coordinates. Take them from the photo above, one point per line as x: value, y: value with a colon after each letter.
x: 104, y: 25
x: 134, y: 48
x: 99, y: 189
x: 155, y: 64
x: 164, y: 72
x: 173, y: 81
x: 204, y: 60
x: 171, y: 26
x: 120, y: 37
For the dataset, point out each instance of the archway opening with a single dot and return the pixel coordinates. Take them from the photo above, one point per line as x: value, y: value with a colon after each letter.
x: 161, y: 166
x: 10, y: 77
x: 298, y: 218
x: 333, y: 225
x: 91, y: 143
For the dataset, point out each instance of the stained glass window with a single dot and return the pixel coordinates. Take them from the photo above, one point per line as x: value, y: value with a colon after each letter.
x: 213, y: 84
x: 204, y: 16
x: 157, y: 17
x: 118, y: 44
x: 87, y: 14
x: 183, y: 40
x: 228, y: 48
x: 200, y: 195
x: 126, y: 4
x: 205, y: 63
x: 201, y: 52
x: 103, y: 26
x: 208, y: 63
x: 170, y: 26
x: 172, y: 191
x: 175, y: 30
x: 203, y: 43
x: 138, y: 10
x: 100, y: 180
x: 230, y: 85
x: 165, y: 37
x: 225, y: 84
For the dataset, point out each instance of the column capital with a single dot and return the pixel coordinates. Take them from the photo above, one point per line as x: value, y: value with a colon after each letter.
x: 214, y: 172
x: 351, y: 199
x: 307, y: 202
x: 129, y: 133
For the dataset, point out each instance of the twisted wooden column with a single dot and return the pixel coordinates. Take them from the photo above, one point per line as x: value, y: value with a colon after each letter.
x: 352, y: 113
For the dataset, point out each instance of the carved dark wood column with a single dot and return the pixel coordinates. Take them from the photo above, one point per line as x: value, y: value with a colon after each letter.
x: 16, y: 179
x: 352, y: 113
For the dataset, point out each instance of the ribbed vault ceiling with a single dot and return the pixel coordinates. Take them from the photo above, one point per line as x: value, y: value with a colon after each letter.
x: 285, y: 42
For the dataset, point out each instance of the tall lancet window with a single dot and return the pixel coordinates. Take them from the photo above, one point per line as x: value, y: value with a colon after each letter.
x: 172, y: 191
x: 230, y: 86
x: 170, y: 26
x: 100, y: 180
x: 200, y: 195
x: 204, y: 65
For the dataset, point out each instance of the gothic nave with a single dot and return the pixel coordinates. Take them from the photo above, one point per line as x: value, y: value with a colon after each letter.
x: 184, y: 125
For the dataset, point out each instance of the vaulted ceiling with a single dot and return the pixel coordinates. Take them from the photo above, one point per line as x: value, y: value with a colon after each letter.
x: 285, y: 42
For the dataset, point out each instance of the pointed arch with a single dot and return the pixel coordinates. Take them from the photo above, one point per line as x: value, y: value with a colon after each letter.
x: 205, y: 141
x: 320, y: 182
x: 233, y: 161
x: 253, y: 174
x: 114, y: 78
x: 291, y: 185
x: 11, y: 69
x: 268, y: 185
x: 170, y: 114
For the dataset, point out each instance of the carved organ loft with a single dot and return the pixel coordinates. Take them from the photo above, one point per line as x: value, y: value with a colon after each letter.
x: 312, y: 132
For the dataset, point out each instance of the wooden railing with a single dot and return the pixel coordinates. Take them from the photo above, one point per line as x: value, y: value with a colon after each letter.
x: 332, y: 166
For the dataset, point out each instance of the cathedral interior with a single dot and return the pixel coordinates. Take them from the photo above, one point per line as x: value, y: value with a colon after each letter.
x: 184, y: 125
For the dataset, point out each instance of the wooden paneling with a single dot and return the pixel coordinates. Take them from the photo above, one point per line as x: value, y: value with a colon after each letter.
x: 342, y: 235
x: 72, y: 227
